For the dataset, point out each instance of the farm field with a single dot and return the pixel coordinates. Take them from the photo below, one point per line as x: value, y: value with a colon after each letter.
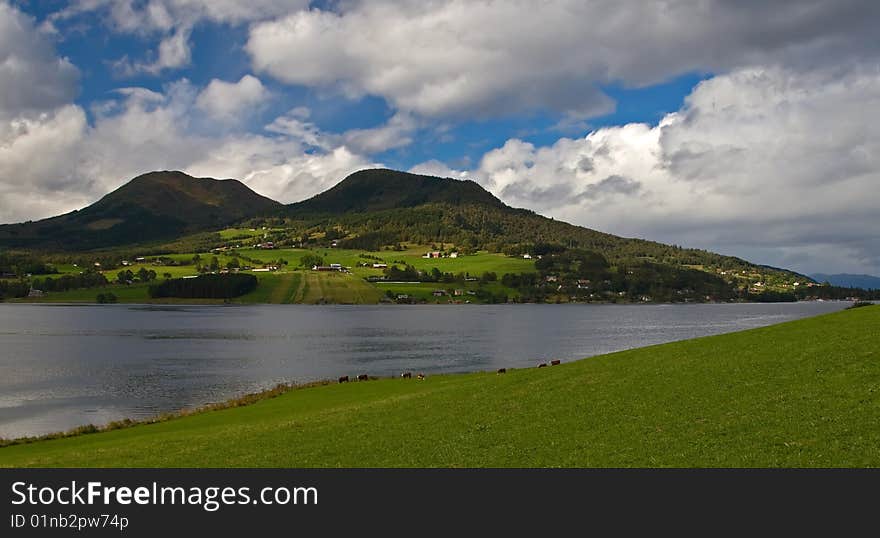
x: 293, y: 283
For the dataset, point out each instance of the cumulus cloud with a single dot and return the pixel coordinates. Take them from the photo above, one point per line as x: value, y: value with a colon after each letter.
x: 777, y: 166
x: 32, y: 77
x: 462, y: 58
x: 59, y: 162
x: 229, y: 101
x: 173, y: 21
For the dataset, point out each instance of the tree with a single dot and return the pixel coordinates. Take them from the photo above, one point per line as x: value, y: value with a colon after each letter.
x: 215, y: 263
x: 106, y: 298
x: 124, y: 277
x: 311, y: 260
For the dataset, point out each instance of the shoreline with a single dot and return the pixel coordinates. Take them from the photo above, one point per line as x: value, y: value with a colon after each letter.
x: 249, y: 398
x: 426, y: 303
x: 692, y: 395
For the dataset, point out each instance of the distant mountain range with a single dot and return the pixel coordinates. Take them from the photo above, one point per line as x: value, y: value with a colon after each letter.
x: 866, y: 282
x: 368, y: 210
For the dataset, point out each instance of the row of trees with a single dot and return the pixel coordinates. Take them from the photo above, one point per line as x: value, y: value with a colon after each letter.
x: 86, y: 279
x: 410, y: 274
x: 211, y: 286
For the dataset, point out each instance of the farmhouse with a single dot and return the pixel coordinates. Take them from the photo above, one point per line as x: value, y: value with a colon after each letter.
x: 380, y: 265
x: 36, y: 293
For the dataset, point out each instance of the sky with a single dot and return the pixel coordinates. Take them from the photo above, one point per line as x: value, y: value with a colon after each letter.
x: 744, y: 127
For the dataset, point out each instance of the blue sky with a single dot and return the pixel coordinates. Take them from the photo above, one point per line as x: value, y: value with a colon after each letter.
x: 745, y: 128
x: 218, y: 53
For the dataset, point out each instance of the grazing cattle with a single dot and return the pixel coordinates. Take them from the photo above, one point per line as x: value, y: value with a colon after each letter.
x: 406, y: 375
x: 363, y: 377
x: 421, y: 377
x: 502, y: 370
x: 555, y: 362
x: 343, y: 379
x: 542, y: 365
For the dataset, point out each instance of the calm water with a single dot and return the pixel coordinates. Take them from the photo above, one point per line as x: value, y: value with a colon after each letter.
x: 64, y: 366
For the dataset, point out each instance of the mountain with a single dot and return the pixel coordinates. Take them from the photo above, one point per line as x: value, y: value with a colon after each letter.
x: 382, y: 189
x: 845, y: 280
x: 153, y: 206
x: 374, y: 208
x: 368, y: 210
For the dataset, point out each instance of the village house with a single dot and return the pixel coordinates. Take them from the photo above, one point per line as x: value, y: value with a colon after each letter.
x: 380, y: 265
x: 438, y: 293
x: 36, y: 293
x: 332, y: 267
x: 458, y: 293
x: 527, y: 256
x: 453, y: 254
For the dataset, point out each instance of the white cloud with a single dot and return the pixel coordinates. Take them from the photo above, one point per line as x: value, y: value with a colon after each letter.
x: 229, y: 101
x: 777, y: 166
x: 173, y: 21
x: 57, y: 162
x: 395, y: 133
x: 479, y: 58
x: 32, y: 78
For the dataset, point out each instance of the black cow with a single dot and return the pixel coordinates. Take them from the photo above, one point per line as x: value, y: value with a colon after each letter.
x: 363, y: 377
x: 502, y: 370
x: 406, y: 375
x: 343, y: 379
x: 555, y: 362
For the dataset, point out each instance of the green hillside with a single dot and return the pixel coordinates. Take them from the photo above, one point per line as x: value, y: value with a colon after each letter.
x: 380, y: 189
x: 158, y: 205
x: 799, y: 394
x: 393, y: 216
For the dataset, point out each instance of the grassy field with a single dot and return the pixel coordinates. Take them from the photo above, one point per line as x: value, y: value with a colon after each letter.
x: 295, y: 284
x: 803, y: 393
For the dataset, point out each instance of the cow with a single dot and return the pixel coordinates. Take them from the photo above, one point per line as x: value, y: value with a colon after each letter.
x: 406, y: 375
x: 421, y: 377
x: 363, y: 377
x: 343, y: 379
x: 542, y: 365
x: 555, y: 362
x: 502, y: 370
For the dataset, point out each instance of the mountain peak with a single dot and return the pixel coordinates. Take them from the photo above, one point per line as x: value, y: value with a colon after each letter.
x: 379, y: 189
x: 155, y: 205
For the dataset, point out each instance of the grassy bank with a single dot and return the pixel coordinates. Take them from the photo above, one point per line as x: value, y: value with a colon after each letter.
x: 803, y: 393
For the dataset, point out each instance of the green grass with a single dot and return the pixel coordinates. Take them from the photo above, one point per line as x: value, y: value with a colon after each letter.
x: 298, y: 285
x: 803, y: 393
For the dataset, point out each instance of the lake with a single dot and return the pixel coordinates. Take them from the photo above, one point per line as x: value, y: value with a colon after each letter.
x: 63, y: 366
